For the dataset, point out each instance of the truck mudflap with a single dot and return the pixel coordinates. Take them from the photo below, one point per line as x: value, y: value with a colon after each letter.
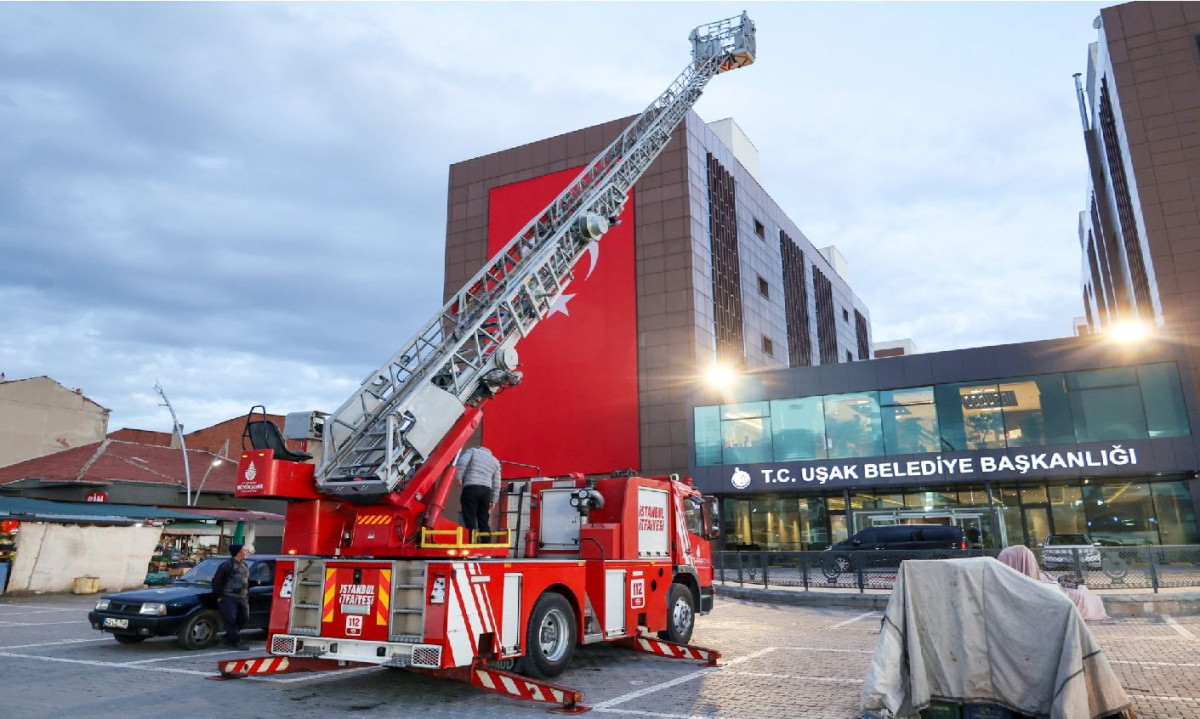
x: 671, y: 650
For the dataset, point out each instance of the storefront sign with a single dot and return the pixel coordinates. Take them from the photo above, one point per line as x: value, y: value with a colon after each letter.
x: 1003, y: 464
x: 97, y: 496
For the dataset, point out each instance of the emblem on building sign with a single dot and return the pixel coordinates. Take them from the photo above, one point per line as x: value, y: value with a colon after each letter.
x: 740, y: 478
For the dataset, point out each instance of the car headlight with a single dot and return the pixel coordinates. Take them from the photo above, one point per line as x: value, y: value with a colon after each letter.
x: 102, y: 605
x: 153, y: 608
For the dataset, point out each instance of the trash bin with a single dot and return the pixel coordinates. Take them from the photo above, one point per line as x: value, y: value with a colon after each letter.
x: 87, y: 585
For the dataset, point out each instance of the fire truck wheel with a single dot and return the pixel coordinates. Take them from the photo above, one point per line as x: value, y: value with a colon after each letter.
x: 550, y: 637
x: 681, y: 615
x: 200, y: 630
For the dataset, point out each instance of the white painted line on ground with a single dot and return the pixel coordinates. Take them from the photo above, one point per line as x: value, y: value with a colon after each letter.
x: 1151, y: 664
x: 825, y: 649
x: 113, y: 665
x: 1179, y: 628
x: 194, y: 655
x: 59, y: 643
x: 636, y: 712
x: 18, y: 625
x: 679, y: 680
x: 312, y: 676
x: 835, y: 680
x: 851, y: 621
x: 45, y: 611
x: 1165, y: 699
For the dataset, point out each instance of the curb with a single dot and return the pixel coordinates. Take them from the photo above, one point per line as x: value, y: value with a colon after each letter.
x: 1117, y: 605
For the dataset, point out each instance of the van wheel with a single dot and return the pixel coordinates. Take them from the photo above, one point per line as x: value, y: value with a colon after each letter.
x: 129, y: 638
x: 550, y: 637
x: 200, y: 630
x: 681, y: 615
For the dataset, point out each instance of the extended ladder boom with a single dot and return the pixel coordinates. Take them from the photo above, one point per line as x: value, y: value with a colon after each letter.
x: 465, y: 354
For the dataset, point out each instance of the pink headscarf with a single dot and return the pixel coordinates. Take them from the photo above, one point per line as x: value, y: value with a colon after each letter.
x: 1020, y: 558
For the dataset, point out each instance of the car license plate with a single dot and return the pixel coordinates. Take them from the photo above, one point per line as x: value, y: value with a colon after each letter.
x: 116, y: 623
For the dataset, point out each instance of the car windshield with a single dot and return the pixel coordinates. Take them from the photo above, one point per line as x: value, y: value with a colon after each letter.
x: 1067, y: 539
x: 202, y: 573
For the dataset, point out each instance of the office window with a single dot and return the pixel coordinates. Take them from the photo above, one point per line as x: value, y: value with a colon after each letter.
x: 745, y: 433
x: 798, y: 429
x: 763, y: 288
x: 768, y: 347
x: 727, y: 282
x: 852, y: 425
x: 1039, y: 413
x: 970, y: 415
x: 1106, y: 404
x: 826, y: 322
x: 861, y: 335
x: 909, y: 420
x: 795, y: 303
x: 1129, y: 231
x: 1163, y: 399
x: 759, y: 229
x: 708, y: 436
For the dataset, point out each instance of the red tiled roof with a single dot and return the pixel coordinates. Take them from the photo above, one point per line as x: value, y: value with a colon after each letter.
x: 222, y: 438
x: 116, y: 461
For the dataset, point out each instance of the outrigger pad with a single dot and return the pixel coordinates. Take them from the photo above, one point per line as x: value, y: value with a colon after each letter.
x: 671, y: 650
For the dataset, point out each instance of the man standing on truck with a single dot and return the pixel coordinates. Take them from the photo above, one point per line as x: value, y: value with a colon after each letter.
x: 231, y: 587
x: 479, y: 471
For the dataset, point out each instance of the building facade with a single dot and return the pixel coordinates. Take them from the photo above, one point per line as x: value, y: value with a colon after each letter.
x: 39, y: 416
x: 1012, y: 443
x: 704, y: 269
x: 1140, y: 231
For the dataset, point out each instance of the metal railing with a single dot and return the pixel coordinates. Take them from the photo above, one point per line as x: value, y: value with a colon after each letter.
x: 1109, y: 568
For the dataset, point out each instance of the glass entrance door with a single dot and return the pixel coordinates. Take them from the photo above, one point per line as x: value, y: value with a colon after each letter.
x: 1037, y: 523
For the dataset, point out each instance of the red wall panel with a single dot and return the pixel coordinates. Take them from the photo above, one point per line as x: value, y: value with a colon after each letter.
x: 577, y: 408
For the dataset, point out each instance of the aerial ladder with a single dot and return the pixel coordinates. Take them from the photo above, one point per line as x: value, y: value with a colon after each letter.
x: 371, y: 578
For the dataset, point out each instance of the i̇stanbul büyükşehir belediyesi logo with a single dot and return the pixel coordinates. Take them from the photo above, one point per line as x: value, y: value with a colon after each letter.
x: 740, y: 478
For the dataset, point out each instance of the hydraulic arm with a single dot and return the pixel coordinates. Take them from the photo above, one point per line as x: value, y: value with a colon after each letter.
x: 466, y: 354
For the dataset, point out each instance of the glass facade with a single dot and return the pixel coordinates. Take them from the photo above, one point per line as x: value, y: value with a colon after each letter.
x: 1125, y: 512
x: 1104, y: 405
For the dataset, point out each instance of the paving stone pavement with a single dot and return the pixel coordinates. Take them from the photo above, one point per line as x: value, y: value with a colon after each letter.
x: 780, y: 661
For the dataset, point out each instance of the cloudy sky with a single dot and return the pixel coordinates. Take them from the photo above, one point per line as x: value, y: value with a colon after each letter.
x: 247, y: 202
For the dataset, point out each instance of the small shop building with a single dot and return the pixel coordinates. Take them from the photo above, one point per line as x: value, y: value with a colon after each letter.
x: 1012, y: 443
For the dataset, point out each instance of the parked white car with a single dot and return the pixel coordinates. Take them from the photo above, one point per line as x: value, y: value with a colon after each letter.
x: 1059, y: 550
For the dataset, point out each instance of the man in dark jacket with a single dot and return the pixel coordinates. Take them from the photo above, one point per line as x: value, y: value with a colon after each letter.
x: 231, y: 587
x: 479, y: 472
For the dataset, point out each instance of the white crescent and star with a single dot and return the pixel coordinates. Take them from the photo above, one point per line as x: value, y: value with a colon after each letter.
x: 560, y: 305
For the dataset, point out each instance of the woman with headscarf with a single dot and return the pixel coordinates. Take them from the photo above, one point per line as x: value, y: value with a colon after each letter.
x: 1020, y: 558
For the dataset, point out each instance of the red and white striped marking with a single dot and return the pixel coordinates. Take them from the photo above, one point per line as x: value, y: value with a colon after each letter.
x: 674, y: 651
x: 262, y: 665
x: 520, y: 687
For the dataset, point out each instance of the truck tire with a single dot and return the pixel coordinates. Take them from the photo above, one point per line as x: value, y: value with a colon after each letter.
x: 681, y: 615
x: 129, y: 638
x: 200, y: 630
x: 550, y: 637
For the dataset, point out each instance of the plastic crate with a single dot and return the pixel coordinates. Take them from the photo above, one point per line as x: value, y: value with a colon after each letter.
x: 941, y: 710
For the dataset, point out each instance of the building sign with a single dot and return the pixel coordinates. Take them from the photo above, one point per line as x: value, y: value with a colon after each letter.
x: 97, y: 496
x: 1095, y: 460
x: 989, y: 399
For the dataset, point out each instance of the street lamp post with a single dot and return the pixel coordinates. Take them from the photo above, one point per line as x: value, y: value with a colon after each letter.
x: 178, y: 428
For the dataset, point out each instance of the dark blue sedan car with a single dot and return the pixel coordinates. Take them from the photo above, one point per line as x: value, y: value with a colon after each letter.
x: 186, y: 609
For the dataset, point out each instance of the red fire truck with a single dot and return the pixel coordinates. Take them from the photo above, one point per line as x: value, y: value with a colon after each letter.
x: 379, y: 576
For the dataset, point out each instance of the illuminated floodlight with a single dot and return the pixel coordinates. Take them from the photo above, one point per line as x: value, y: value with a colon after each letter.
x: 1128, y: 331
x: 720, y: 376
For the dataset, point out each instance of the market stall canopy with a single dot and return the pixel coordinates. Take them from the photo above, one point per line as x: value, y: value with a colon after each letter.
x: 231, y: 515
x: 44, y: 510
x: 973, y: 630
x: 193, y: 529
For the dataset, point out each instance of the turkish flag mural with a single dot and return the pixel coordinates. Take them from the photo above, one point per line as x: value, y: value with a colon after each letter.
x: 576, y: 410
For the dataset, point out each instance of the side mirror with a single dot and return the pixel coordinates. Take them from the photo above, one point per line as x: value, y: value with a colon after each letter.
x: 856, y: 542
x: 711, y: 519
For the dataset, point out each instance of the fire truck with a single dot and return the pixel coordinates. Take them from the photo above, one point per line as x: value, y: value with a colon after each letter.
x: 375, y: 574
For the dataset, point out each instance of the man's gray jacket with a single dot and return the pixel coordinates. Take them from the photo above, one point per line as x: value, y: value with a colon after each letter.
x: 477, y: 465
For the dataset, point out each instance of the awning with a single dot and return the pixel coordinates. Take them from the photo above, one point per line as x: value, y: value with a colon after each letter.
x: 237, y: 515
x: 26, y: 509
x: 193, y: 528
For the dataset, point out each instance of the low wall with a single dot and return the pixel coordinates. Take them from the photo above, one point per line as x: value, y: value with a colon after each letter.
x: 51, y: 556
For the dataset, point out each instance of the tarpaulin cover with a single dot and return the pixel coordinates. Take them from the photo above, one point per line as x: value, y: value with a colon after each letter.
x: 973, y: 631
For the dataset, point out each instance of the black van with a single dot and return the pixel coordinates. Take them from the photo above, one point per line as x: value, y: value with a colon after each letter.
x: 933, y: 541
